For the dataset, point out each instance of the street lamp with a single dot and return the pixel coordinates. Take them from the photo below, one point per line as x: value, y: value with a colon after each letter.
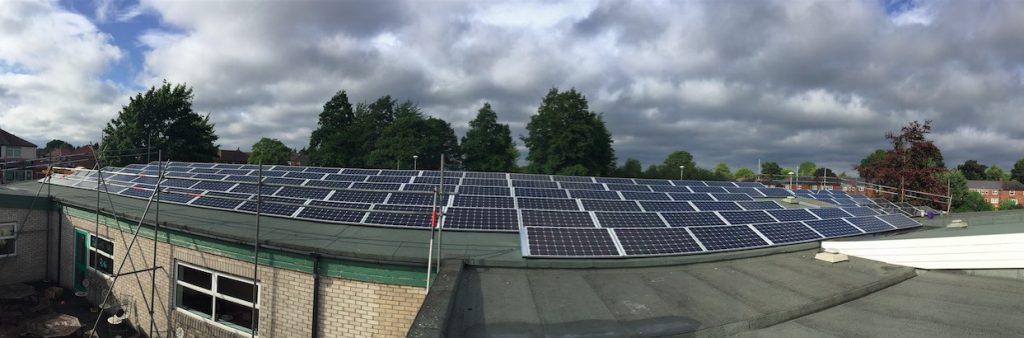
x: 414, y: 157
x: 790, y: 180
x: 681, y: 172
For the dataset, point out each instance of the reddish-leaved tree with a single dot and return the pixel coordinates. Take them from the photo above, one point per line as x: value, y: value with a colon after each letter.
x: 913, y: 163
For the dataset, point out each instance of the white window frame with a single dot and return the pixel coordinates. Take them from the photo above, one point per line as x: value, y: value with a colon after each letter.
x: 13, y: 236
x: 94, y: 250
x: 216, y: 295
x: 994, y: 200
x: 14, y: 152
x: 1012, y: 192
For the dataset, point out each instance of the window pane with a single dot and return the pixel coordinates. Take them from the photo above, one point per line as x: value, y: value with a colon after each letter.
x: 195, y: 277
x: 6, y: 247
x: 6, y: 230
x: 195, y: 301
x: 234, y: 288
x: 104, y: 264
x: 105, y: 246
x: 231, y: 313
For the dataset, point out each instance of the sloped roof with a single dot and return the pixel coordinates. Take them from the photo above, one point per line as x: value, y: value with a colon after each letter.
x: 233, y: 156
x: 995, y: 185
x: 8, y: 139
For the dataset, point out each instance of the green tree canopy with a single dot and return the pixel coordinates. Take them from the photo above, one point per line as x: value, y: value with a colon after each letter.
x: 161, y: 118
x: 972, y: 170
x: 723, y: 172
x: 995, y: 173
x: 807, y: 168
x: 565, y: 133
x: 1017, y: 173
x: 652, y: 172
x: 632, y: 169
x: 771, y: 168
x: 56, y: 144
x: 670, y: 167
x: 957, y: 186
x: 412, y: 134
x: 744, y: 173
x: 974, y: 202
x: 270, y: 151
x: 488, y: 145
x: 1009, y: 204
x: 823, y: 171
x: 332, y: 143
x: 868, y: 161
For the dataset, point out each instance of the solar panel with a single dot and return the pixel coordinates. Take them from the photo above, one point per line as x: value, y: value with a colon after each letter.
x: 787, y: 232
x: 283, y: 181
x: 568, y: 242
x: 342, y: 205
x: 427, y: 187
x: 322, y: 170
x: 533, y: 192
x: 572, y: 178
x: 201, y: 171
x: 708, y: 189
x: 774, y: 192
x: 731, y: 197
x: 629, y: 220
x: 270, y: 208
x: 719, y: 184
x: 645, y: 196
x: 715, y: 206
x: 388, y: 179
x: 364, y: 172
x: 594, y: 194
x: 827, y: 213
x: 137, y: 192
x: 649, y: 181
x: 535, y: 184
x: 401, y: 173
x: 484, y: 201
x: 860, y: 211
x: 346, y: 178
x: 677, y: 206
x: 760, y: 205
x: 485, y: 191
x: 421, y: 217
x: 359, y: 196
x: 447, y: 174
x: 747, y: 217
x: 214, y: 202
x: 272, y: 173
x: 870, y: 224
x: 146, y: 179
x: 547, y: 203
x: 683, y: 196
x: 408, y: 198
x: 215, y: 186
x: 727, y: 237
x: 750, y: 184
x: 305, y: 176
x: 565, y: 219
x: 334, y: 215
x: 178, y: 183
x: 627, y: 187
x: 689, y: 183
x: 212, y: 177
x: 481, y: 219
x: 485, y: 182
x: 239, y: 178
x: 609, y: 205
x: 244, y: 188
x: 329, y: 184
x: 792, y: 215
x: 833, y: 227
x: 581, y: 186
x: 376, y: 186
x: 652, y: 242
x: 686, y: 219
x: 614, y: 180
x: 432, y: 180
x: 307, y: 193
x: 670, y: 188
x: 287, y: 168
x: 899, y: 221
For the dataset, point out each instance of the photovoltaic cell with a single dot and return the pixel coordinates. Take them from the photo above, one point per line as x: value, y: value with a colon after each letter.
x: 328, y: 184
x: 388, y: 179
x: 244, y: 188
x: 720, y: 184
x: 650, y: 242
x: 484, y: 202
x: 715, y: 206
x: 727, y: 237
x: 498, y: 176
x: 645, y: 196
x: 406, y: 198
x: 628, y: 187
x: 531, y: 177
x: 671, y: 188
x: 306, y: 193
x: 341, y: 205
x: 215, y: 186
x: 676, y: 206
x: 860, y: 211
x: 581, y: 186
x: 870, y: 224
x: 686, y: 219
x: 346, y: 178
x: 310, y: 176
x: 774, y: 192
x: 427, y: 187
x: 709, y: 189
x: 833, y: 227
x: 629, y: 220
x: 899, y: 221
x: 792, y: 215
x: 359, y: 196
x: 594, y: 194
x: 270, y: 208
x: 481, y: 219
x: 282, y: 181
x: 346, y: 216
x: 827, y: 213
x: 787, y: 232
x: 570, y: 242
x: 215, y: 202
x: 564, y: 219
x: 421, y: 216
x: 760, y: 205
x: 571, y: 179
x: 689, y: 183
x: 683, y: 196
x: 652, y: 182
x: 485, y: 182
x: 533, y: 192
x: 614, y: 180
x: 547, y: 203
x: 731, y: 197
x: 376, y: 186
x: 535, y: 184
x: 484, y: 191
x: 747, y: 217
x: 609, y: 205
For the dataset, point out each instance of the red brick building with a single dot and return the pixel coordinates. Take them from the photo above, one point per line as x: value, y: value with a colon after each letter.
x: 996, y: 192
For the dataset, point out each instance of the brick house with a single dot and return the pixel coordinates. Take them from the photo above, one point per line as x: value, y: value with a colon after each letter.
x: 236, y: 156
x: 997, y: 191
x: 15, y: 148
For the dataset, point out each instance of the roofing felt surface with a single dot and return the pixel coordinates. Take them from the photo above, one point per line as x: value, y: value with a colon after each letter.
x: 979, y: 223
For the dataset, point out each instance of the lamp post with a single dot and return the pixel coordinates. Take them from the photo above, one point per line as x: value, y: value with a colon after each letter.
x: 681, y: 172
x: 414, y: 158
x: 790, y: 180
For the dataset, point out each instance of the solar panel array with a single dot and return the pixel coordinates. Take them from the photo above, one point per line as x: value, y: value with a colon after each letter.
x: 640, y: 217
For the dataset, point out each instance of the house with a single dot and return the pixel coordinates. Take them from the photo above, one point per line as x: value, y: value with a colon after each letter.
x: 996, y: 192
x: 236, y: 156
x: 84, y: 156
x: 15, y: 148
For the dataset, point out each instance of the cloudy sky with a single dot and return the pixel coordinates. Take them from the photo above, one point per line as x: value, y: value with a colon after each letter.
x: 733, y: 81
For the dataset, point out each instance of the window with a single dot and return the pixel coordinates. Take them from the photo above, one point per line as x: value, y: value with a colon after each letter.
x: 14, y: 152
x: 8, y: 237
x: 218, y: 297
x: 1012, y: 192
x: 994, y: 200
x: 101, y: 254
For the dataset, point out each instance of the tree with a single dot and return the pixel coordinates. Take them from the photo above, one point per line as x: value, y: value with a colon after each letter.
x: 564, y: 133
x: 868, y: 161
x: 670, y: 167
x: 652, y: 172
x: 771, y: 168
x: 723, y: 172
x: 56, y: 144
x: 632, y: 169
x: 995, y: 173
x: 806, y: 168
x: 1009, y: 204
x: 1017, y: 173
x: 332, y: 143
x: 270, y: 151
x: 412, y: 134
x: 488, y: 145
x: 822, y: 172
x: 160, y: 119
x: 957, y: 183
x: 974, y: 202
x: 744, y: 173
x: 913, y: 163
x: 972, y: 170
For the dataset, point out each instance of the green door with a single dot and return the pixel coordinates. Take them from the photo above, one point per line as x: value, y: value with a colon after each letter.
x: 81, y: 257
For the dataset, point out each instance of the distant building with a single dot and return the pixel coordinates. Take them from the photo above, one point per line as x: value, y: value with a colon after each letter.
x: 84, y: 156
x: 15, y: 148
x: 298, y: 159
x: 996, y: 192
x: 236, y: 156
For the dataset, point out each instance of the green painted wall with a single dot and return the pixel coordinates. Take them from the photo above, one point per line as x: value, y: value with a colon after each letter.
x: 354, y: 270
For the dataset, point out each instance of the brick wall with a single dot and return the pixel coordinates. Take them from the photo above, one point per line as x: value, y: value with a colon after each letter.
x: 349, y: 308
x: 29, y: 263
